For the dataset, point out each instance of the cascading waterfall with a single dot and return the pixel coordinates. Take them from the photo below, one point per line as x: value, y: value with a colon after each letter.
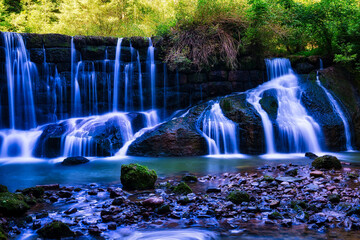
x: 336, y: 107
x: 297, y: 131
x: 219, y: 132
x: 19, y: 73
x: 152, y: 71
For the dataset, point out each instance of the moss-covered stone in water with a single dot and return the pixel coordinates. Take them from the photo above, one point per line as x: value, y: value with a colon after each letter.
x: 326, y: 162
x: 55, y: 230
x: 275, y: 215
x: 268, y: 178
x: 137, y: 177
x: 296, y: 203
x: 353, y: 175
x: 3, y: 189
x: 164, y: 209
x: 12, y: 205
x: 189, y: 178
x: 36, y: 192
x: 238, y: 197
x: 182, y: 188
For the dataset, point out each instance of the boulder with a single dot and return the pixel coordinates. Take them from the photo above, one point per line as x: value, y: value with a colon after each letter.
x: 177, y: 137
x: 270, y: 104
x: 55, y: 230
x: 252, y: 138
x: 326, y: 162
x: 137, y: 177
x: 182, y: 188
x: 12, y: 205
x: 311, y: 155
x: 238, y: 197
x: 71, y: 161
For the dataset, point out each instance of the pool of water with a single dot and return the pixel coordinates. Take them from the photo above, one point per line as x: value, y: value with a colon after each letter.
x: 22, y: 173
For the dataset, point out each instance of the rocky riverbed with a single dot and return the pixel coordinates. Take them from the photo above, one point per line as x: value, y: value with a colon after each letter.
x: 283, y: 197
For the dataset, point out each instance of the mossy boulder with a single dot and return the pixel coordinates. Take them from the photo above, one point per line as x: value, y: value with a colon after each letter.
x: 36, y: 192
x: 137, y: 177
x: 55, y: 230
x: 182, y: 188
x: 12, y: 205
x: 326, y: 162
x: 71, y: 161
x: 238, y: 197
x: 3, y: 189
x: 275, y: 215
x: 189, y: 178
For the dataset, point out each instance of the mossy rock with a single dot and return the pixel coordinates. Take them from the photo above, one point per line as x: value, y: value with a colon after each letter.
x: 275, y: 215
x: 326, y: 162
x: 164, y: 209
x: 12, y: 205
x: 137, y: 177
x: 238, y: 197
x: 270, y: 105
x: 36, y: 192
x: 189, y: 178
x: 268, y: 178
x: 3, y: 189
x: 296, y: 203
x: 182, y: 188
x: 55, y: 230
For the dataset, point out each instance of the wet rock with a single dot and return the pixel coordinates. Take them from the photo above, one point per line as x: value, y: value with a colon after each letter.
x: 49, y: 187
x: 93, y: 192
x: 64, y: 194
x: 94, y: 230
x: 137, y: 177
x: 238, y: 197
x: 12, y: 205
x: 118, y: 201
x: 53, y: 198
x: 36, y: 192
x: 114, y: 193
x: 55, y: 230
x: 275, y: 215
x: 311, y: 155
x: 268, y: 178
x: 334, y: 198
x: 36, y: 224
x: 112, y: 226
x: 312, y: 187
x: 71, y: 161
x: 293, y: 172
x: 288, y: 179
x: 286, y: 223
x: 71, y: 211
x: 182, y: 188
x: 270, y: 105
x: 42, y: 215
x: 318, y: 218
x: 316, y: 173
x: 189, y: 178
x: 242, y: 181
x: 213, y: 190
x: 153, y: 201
x: 274, y: 204
x: 327, y: 162
x: 164, y: 209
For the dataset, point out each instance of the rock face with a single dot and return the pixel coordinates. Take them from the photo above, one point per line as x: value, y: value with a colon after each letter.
x: 326, y: 162
x: 71, y: 161
x: 237, y: 109
x: 137, y: 177
x: 178, y: 137
x: 55, y: 230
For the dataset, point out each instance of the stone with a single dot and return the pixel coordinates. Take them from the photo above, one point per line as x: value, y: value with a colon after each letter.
x: 55, y: 230
x: 118, y: 201
x: 94, y: 230
x: 153, y: 201
x: 238, y: 197
x: 36, y: 192
x: 270, y: 105
x: 311, y: 155
x: 71, y: 161
x: 312, y: 187
x: 293, y: 172
x: 64, y: 194
x: 213, y: 190
x: 112, y: 226
x: 288, y: 179
x: 275, y: 215
x: 71, y: 211
x: 334, y: 198
x: 316, y: 173
x: 164, y: 209
x: 12, y: 205
x: 137, y: 177
x: 189, y: 178
x: 326, y: 162
x: 182, y: 188
x: 274, y: 204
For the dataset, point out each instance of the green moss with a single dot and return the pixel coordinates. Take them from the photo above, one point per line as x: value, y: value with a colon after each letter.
x: 55, y: 230
x: 353, y: 175
x: 137, y: 177
x: 326, y: 162
x: 268, y: 178
x: 12, y: 205
x: 238, y: 197
x: 296, y: 203
x: 3, y: 189
x: 164, y: 209
x: 182, y: 188
x: 275, y: 215
x: 189, y: 178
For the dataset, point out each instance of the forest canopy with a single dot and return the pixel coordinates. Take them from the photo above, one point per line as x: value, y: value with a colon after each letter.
x: 276, y: 27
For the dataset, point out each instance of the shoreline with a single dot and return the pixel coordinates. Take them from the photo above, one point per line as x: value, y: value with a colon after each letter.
x: 285, y: 196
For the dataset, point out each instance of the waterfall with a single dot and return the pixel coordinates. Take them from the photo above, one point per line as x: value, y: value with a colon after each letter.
x: 20, y: 75
x: 219, y: 132
x: 117, y: 74
x: 152, y: 71
x: 297, y: 131
x: 336, y: 107
x: 141, y: 98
